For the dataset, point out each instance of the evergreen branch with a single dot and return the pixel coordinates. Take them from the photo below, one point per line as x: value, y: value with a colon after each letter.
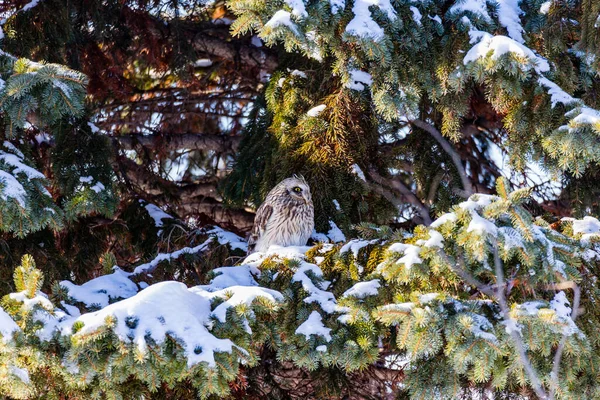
x: 468, y: 188
x: 512, y: 331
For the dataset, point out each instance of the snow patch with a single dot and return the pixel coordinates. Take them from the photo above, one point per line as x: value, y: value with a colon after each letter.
x: 500, y: 45
x: 358, y: 172
x: 359, y: 79
x: 335, y: 234
x: 355, y: 245
x: 363, y: 25
x: 100, y: 291
x: 315, y: 111
x: 7, y: 326
x: 314, y: 326
x: 165, y: 308
x: 363, y: 289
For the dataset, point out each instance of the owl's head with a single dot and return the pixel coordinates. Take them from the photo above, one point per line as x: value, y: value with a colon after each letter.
x: 297, y: 189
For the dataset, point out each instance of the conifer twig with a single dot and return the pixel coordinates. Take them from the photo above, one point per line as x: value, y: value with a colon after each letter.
x: 437, y: 135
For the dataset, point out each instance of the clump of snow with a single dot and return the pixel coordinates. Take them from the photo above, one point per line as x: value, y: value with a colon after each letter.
x: 16, y: 161
x: 531, y: 307
x: 336, y: 204
x: 448, y: 217
x: 511, y: 325
x: 242, y: 275
x: 30, y: 5
x: 481, y: 225
x: 411, y: 254
x: 149, y: 267
x: 358, y: 172
x: 7, y: 326
x: 512, y: 238
x: 337, y: 5
x: 481, y: 326
x: 319, y: 237
x: 335, y: 234
x: 436, y: 18
x: 236, y: 295
x: 435, y: 239
x: 314, y: 326
x: 478, y: 201
x: 165, y: 308
x: 545, y: 7
x: 315, y: 294
x: 363, y: 289
x: 500, y: 45
x: 298, y: 8
x: 508, y: 15
x: 399, y: 307
x: 561, y: 306
x: 557, y: 95
x: 588, y: 227
x: 40, y: 299
x: 315, y: 111
x: 225, y: 237
x: 477, y: 7
x: 14, y: 166
x: 417, y: 16
x: 363, y: 25
x: 428, y: 297
x: 20, y: 373
x: 355, y: 245
x: 358, y: 79
x: 99, y: 291
x: 203, y: 63
x: 322, y: 348
x: 12, y: 188
x: 156, y: 214
x: 93, y: 127
x: 298, y: 73
x: 581, y: 116
x: 98, y: 187
x: 256, y: 41
x: 281, y: 18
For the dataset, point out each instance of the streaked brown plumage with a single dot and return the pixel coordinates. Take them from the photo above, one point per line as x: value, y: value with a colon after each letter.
x: 286, y: 218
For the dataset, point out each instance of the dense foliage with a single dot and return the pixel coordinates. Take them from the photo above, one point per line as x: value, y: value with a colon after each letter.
x: 455, y: 140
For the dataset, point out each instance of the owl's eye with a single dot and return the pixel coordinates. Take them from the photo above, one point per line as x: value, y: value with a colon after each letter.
x: 297, y: 189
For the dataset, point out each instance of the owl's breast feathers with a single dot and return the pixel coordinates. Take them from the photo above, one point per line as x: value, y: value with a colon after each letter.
x: 286, y: 223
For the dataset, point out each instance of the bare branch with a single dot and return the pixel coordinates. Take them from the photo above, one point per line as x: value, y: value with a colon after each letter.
x: 433, y: 187
x: 214, y: 142
x: 248, y: 54
x: 460, y: 269
x: 228, y: 218
x: 468, y: 188
x: 409, y: 196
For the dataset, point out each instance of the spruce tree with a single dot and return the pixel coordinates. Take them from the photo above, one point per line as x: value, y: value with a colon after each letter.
x: 451, y: 148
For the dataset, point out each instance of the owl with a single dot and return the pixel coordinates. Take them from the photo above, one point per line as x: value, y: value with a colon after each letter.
x: 286, y: 218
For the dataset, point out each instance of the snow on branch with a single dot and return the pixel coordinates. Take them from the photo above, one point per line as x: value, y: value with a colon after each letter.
x: 166, y: 308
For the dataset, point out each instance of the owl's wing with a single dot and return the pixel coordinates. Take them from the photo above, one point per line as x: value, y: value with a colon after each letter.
x: 263, y: 214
